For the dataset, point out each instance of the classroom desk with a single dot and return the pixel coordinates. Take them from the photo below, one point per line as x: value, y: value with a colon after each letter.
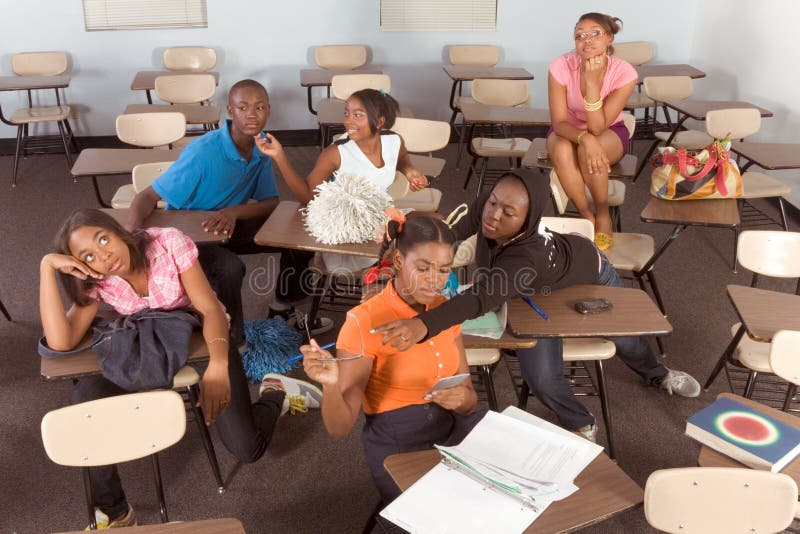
x: 145, y: 80
x: 719, y: 213
x: 506, y: 341
x: 624, y: 168
x: 463, y: 73
x: 204, y: 526
x: 633, y: 314
x: 310, y: 78
x: 187, y: 221
x: 711, y: 458
x: 643, y: 71
x: 762, y: 313
x: 770, y: 156
x: 605, y: 490
x: 697, y: 109
x: 94, y: 162
x: 85, y: 363
x: 208, y: 116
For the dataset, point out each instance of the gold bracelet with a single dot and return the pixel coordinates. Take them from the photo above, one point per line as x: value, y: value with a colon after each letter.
x: 221, y: 339
x: 578, y: 140
x: 592, y: 106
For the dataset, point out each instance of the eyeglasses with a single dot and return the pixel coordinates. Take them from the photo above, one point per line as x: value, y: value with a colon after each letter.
x: 594, y: 34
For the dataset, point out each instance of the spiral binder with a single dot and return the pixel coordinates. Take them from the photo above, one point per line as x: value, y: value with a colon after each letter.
x: 526, y: 501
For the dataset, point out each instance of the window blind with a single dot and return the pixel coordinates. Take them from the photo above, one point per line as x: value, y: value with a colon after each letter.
x: 438, y: 15
x: 144, y: 14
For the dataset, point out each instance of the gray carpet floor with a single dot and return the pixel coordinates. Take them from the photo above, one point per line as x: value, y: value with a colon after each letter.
x: 307, y: 481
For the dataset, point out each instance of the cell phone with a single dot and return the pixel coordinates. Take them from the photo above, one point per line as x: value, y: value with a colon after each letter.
x: 264, y: 137
x: 592, y: 306
x: 448, y: 382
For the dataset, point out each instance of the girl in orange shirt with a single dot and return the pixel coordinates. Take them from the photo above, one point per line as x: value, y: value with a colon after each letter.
x: 393, y: 386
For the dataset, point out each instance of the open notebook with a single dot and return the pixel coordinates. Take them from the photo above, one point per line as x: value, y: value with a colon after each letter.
x: 500, y: 478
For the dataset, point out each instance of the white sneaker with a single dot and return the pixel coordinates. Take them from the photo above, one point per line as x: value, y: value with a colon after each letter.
x: 680, y: 383
x: 587, y: 432
x: 103, y: 522
x: 300, y: 395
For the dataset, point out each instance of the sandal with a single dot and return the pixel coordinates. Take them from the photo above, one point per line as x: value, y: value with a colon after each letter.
x: 603, y: 241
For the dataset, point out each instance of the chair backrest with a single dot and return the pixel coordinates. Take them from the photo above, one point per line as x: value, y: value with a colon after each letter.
x: 474, y: 55
x: 770, y: 252
x: 39, y: 63
x: 783, y: 355
x: 630, y: 123
x: 635, y: 52
x: 344, y: 85
x: 400, y: 186
x: 151, y: 129
x: 559, y: 195
x: 340, y: 57
x: 663, y: 88
x: 114, y: 429
x: 733, y: 123
x: 500, y: 92
x: 185, y: 88
x: 719, y: 499
x: 145, y: 173
x: 568, y: 225
x: 194, y: 58
x: 420, y: 135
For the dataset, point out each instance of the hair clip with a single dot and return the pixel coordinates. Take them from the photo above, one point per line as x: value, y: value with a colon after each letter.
x: 382, y: 92
x: 374, y: 273
x: 456, y: 215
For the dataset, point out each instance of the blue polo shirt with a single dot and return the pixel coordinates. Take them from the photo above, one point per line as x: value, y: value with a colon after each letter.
x: 211, y: 175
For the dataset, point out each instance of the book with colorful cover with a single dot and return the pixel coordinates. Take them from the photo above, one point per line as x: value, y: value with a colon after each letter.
x: 745, y: 434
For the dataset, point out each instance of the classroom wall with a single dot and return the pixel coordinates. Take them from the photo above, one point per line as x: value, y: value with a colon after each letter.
x: 271, y: 42
x: 749, y: 51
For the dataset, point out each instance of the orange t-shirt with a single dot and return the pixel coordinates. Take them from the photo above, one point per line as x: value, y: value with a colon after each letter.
x: 398, y: 379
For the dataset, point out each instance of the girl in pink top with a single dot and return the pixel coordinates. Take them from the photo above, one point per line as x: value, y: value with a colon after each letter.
x: 587, y: 90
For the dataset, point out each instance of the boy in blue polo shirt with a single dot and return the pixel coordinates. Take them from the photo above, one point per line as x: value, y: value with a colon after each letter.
x: 222, y: 171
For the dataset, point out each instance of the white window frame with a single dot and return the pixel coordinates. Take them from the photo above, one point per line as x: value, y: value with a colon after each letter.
x: 438, y: 15
x: 101, y: 15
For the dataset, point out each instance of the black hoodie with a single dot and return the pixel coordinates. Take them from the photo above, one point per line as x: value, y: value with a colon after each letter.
x: 525, y: 265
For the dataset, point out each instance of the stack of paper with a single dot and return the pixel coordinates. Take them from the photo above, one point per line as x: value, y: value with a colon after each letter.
x: 503, y: 475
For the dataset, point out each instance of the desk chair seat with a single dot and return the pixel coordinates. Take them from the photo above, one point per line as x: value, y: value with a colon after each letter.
x: 124, y: 196
x: 484, y: 360
x: 759, y: 185
x: 425, y: 200
x: 428, y: 165
x: 142, y: 176
x: 639, y: 101
x: 751, y: 353
x: 41, y: 114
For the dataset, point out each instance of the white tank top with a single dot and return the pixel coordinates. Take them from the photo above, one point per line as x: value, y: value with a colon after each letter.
x: 353, y: 160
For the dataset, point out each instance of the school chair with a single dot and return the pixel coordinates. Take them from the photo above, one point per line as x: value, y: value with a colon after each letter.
x: 420, y: 136
x: 151, y: 130
x: 143, y: 175
x: 784, y: 363
x: 191, y: 58
x: 576, y: 351
x: 765, y: 253
x: 709, y: 500
x: 114, y: 430
x: 340, y: 57
x: 508, y: 93
x: 190, y: 94
x: 40, y: 64
x: 637, y: 53
x: 484, y: 360
x: 470, y: 56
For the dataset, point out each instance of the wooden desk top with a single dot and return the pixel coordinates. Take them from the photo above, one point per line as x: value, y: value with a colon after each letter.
x: 668, y: 70
x: 697, y: 109
x: 506, y: 341
x: 764, y: 312
x: 205, y: 526
x: 721, y: 212
x: 475, y: 113
x: 633, y: 314
x: 187, y: 221
x: 194, y: 114
x: 114, y: 161
x: 771, y: 156
x: 285, y: 229
x: 605, y: 490
x: 331, y: 111
x: 323, y: 77
x: 23, y: 83
x: 466, y: 73
x: 145, y: 80
x: 711, y: 458
x: 624, y: 168
x: 85, y: 363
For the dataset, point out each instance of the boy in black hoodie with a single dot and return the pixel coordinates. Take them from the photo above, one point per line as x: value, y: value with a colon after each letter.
x: 530, y: 259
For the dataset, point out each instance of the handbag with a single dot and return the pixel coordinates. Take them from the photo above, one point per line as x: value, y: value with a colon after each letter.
x: 690, y: 175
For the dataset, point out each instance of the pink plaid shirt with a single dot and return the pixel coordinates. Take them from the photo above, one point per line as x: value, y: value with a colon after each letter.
x: 169, y: 253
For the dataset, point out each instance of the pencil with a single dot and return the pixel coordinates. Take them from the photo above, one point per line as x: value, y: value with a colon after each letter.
x: 536, y: 308
x: 300, y: 356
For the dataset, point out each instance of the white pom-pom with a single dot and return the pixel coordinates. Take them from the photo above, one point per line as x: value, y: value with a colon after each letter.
x: 346, y: 210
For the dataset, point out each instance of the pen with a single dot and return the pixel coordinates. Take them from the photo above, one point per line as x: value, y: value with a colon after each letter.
x: 300, y: 356
x: 536, y: 308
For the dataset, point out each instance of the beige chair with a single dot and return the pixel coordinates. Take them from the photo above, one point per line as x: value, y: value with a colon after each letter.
x: 191, y: 58
x: 483, y: 360
x: 507, y: 93
x: 149, y: 130
x: 637, y: 53
x: 474, y: 55
x: 114, y: 430
x: 783, y: 361
x: 186, y: 88
x: 422, y: 136
x: 344, y: 85
x: 725, y: 500
x: 39, y: 64
x: 340, y: 57
x: 142, y: 176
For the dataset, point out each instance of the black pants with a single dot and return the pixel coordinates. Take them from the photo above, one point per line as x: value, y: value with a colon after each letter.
x: 225, y: 272
x: 245, y: 428
x: 411, y: 428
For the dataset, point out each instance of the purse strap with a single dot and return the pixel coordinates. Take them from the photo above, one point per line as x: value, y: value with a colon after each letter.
x: 684, y: 158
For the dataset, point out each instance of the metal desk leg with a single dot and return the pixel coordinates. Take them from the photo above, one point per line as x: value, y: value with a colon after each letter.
x: 310, y: 107
x: 676, y: 231
x: 149, y: 97
x: 725, y: 357
x: 97, y: 194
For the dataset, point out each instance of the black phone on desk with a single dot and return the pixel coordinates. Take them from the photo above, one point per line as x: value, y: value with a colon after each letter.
x: 591, y: 306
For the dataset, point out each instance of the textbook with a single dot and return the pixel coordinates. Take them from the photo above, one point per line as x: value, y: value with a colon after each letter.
x: 745, y: 434
x: 499, y: 479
